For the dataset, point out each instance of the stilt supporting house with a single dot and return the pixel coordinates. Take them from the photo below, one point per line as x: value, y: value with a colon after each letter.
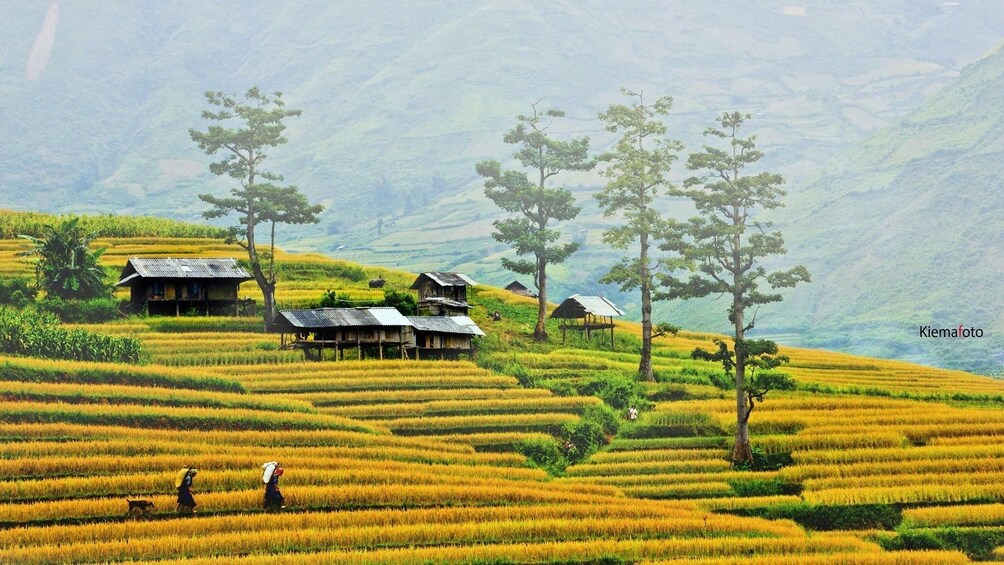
x: 587, y: 314
x: 367, y: 330
x: 172, y: 287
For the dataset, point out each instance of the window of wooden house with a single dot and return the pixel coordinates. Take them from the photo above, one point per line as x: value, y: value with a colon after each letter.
x: 194, y: 290
x: 157, y: 289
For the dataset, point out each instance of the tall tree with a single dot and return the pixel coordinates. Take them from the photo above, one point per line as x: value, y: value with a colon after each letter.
x: 66, y: 266
x: 729, y: 243
x: 637, y: 170
x: 537, y: 204
x: 261, y: 198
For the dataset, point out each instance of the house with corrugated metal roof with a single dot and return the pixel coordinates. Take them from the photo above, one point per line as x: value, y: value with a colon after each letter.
x: 172, y: 287
x: 444, y: 337
x: 587, y: 314
x: 443, y: 294
x: 374, y: 331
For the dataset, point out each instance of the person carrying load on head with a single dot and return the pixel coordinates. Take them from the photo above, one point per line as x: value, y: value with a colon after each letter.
x: 271, y: 472
x: 183, y: 482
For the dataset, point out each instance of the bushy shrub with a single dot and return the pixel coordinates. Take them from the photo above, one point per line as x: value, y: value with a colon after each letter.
x: 544, y: 453
x: 403, y: 301
x: 617, y: 390
x: 593, y: 431
x: 91, y: 311
x: 331, y: 299
x: 16, y: 292
x: 608, y: 419
x: 583, y: 439
x: 37, y: 334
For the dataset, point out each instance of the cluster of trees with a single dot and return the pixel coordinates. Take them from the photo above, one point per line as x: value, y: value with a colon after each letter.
x: 404, y: 302
x: 718, y: 252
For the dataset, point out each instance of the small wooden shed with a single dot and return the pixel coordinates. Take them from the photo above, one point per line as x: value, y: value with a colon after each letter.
x: 587, y: 313
x: 521, y: 289
x: 362, y: 329
x: 443, y: 294
x: 166, y: 286
x: 444, y: 337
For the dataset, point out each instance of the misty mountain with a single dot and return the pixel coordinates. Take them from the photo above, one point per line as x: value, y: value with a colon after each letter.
x: 905, y: 230
x: 401, y: 99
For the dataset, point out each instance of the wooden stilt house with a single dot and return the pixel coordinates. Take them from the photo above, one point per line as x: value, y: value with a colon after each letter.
x: 367, y: 330
x: 442, y: 294
x: 444, y: 337
x: 587, y: 314
x: 172, y: 287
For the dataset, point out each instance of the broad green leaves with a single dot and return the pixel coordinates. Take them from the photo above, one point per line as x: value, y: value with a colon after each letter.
x: 66, y: 266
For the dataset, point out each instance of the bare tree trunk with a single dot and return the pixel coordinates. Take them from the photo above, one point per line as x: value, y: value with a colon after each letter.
x: 267, y: 287
x: 742, y: 452
x: 645, y: 365
x: 268, y: 292
x: 540, y: 331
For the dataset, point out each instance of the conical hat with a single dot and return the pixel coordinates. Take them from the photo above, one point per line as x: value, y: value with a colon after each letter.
x: 267, y: 470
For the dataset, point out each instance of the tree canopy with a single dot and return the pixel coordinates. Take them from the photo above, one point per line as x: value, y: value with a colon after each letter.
x: 728, y: 241
x: 636, y: 168
x: 258, y: 124
x: 535, y: 202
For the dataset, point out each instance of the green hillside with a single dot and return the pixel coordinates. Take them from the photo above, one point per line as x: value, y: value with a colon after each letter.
x: 905, y: 230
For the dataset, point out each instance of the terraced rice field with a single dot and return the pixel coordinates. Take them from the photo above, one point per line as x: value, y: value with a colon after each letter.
x: 405, y: 461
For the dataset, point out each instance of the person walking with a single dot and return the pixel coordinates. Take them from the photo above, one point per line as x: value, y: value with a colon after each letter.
x: 271, y: 472
x: 186, y: 502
